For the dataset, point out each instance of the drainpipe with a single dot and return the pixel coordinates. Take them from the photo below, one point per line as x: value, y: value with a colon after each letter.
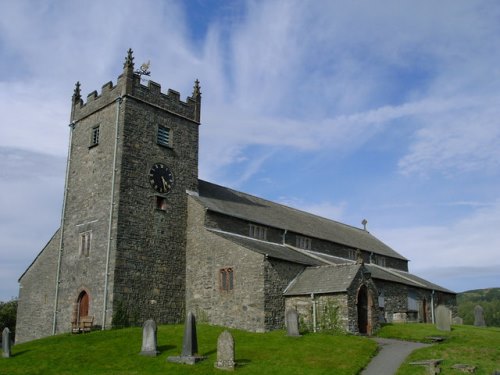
x: 110, y: 221
x: 314, y: 311
x: 61, y: 230
x: 432, y: 306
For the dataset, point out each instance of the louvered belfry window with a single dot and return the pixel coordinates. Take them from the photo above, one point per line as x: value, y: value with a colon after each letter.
x: 94, y: 137
x: 163, y: 137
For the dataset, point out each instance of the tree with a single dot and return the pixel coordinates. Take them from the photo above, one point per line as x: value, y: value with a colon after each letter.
x: 8, y: 311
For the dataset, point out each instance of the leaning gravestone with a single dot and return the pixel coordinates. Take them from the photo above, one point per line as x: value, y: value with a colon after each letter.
x: 149, y: 339
x: 189, y: 353
x: 457, y: 320
x: 225, y: 351
x: 6, y: 343
x: 443, y: 318
x: 292, y: 323
x: 479, y: 316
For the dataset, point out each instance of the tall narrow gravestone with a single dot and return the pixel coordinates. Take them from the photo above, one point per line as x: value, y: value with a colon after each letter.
x: 225, y: 351
x: 189, y: 353
x: 292, y: 323
x: 6, y: 343
x: 149, y: 339
x: 479, y: 316
x: 443, y: 318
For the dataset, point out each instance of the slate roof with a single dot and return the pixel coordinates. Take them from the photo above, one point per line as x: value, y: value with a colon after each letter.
x: 324, y: 279
x: 244, y: 206
x: 270, y: 249
x: 402, y: 277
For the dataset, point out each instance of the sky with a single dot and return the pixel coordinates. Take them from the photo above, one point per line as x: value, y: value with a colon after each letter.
x: 387, y: 111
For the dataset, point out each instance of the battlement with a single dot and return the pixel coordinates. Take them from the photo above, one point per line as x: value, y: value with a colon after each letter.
x: 129, y: 86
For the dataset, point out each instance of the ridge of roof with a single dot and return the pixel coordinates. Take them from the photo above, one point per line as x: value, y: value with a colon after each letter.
x: 284, y: 206
x: 231, y: 202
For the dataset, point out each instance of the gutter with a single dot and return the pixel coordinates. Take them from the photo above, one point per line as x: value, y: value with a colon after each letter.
x: 111, y: 209
x: 61, y: 241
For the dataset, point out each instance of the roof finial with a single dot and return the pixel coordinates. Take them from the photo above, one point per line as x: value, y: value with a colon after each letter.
x: 129, y: 60
x: 196, y: 90
x: 77, y: 94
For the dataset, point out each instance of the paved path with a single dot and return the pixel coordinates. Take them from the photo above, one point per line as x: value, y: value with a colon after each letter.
x: 391, y: 355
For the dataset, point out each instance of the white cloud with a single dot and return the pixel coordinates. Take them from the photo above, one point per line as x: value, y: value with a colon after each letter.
x: 304, y: 77
x: 464, y: 246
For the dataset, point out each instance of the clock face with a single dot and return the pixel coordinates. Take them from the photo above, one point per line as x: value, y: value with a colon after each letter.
x: 161, y: 178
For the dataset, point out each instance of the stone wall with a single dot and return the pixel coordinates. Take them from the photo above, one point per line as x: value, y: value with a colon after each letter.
x: 396, y: 305
x: 207, y: 253
x: 149, y: 279
x: 35, y: 309
x: 278, y: 274
x: 87, y: 209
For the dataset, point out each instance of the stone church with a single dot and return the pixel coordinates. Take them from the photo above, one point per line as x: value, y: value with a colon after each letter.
x: 142, y: 237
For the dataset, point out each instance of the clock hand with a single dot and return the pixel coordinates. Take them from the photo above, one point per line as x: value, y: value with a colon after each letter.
x: 166, y: 185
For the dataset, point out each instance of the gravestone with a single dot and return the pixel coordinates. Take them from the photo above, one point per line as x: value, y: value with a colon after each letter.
x: 6, y: 343
x: 292, y: 323
x: 479, y: 316
x: 457, y: 321
x: 149, y: 339
x: 443, y: 318
x: 189, y: 353
x: 225, y: 351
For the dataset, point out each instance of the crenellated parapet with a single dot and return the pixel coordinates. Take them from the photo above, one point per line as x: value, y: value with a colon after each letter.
x: 129, y: 86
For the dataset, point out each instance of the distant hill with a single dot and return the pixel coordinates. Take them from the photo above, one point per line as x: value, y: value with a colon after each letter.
x: 489, y: 299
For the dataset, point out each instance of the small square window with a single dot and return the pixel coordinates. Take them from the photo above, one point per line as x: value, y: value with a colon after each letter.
x: 303, y: 242
x: 163, y: 137
x: 226, y: 279
x: 352, y: 254
x: 85, y: 241
x: 258, y: 232
x: 380, y: 261
x: 94, y: 137
x: 161, y: 203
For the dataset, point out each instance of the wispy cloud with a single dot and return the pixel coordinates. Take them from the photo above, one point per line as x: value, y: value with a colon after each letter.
x: 280, y: 77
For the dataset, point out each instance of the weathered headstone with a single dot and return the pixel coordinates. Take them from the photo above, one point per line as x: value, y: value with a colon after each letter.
x: 443, y: 318
x: 292, y: 323
x: 457, y: 321
x: 149, y: 339
x: 6, y: 343
x: 225, y: 351
x: 479, y: 316
x: 189, y: 353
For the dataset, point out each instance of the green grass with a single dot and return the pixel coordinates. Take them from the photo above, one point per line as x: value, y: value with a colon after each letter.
x: 464, y: 344
x: 117, y: 352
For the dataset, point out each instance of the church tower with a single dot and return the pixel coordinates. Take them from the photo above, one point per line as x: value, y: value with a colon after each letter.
x: 133, y: 154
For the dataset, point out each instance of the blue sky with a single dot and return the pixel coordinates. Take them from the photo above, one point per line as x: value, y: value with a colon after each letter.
x: 347, y: 109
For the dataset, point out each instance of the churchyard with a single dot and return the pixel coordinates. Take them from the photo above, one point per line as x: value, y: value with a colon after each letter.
x: 119, y: 351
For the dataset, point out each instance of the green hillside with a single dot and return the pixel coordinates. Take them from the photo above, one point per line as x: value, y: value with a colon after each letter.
x: 489, y: 299
x: 117, y: 352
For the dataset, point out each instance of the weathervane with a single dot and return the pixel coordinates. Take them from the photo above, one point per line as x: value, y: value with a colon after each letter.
x: 144, y: 69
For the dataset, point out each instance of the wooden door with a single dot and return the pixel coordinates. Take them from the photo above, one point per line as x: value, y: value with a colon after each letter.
x: 83, y: 305
x: 362, y: 310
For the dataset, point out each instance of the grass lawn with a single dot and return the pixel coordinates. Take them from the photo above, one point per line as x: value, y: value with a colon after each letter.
x: 117, y: 352
x: 464, y: 344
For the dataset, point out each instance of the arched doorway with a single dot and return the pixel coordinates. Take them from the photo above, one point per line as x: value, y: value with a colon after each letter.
x: 362, y: 305
x: 83, y: 305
